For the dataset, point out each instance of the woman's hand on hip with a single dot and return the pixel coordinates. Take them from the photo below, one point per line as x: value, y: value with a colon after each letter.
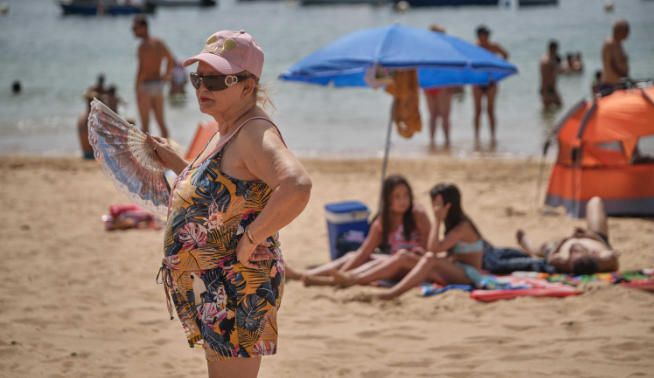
x: 245, y: 251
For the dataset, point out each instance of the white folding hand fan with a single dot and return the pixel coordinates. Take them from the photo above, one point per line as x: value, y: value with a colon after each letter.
x: 132, y: 165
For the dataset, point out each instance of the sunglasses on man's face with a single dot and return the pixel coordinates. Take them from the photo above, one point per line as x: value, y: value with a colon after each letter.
x: 215, y: 82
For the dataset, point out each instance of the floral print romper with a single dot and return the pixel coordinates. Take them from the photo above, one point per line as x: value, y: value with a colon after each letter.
x: 228, y: 308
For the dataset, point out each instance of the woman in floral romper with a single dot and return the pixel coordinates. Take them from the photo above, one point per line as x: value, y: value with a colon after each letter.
x: 223, y: 268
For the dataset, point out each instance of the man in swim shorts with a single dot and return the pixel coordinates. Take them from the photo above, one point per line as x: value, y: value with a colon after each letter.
x: 586, y: 251
x: 615, y: 65
x: 150, y: 82
x: 549, y: 69
x: 490, y: 90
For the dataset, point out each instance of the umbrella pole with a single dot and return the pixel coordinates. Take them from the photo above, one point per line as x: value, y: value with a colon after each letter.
x: 540, y: 180
x: 388, y: 145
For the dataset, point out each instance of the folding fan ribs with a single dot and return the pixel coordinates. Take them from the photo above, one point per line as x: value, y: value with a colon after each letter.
x: 132, y: 165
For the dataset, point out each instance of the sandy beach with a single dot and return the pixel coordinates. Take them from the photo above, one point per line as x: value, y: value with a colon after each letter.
x: 78, y: 301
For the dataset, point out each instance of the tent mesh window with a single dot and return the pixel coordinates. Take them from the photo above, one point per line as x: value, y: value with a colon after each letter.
x: 644, y: 152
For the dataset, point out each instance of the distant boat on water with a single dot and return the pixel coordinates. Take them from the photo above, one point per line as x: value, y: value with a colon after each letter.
x: 447, y: 3
x: 183, y: 3
x: 529, y: 3
x: 344, y: 2
x: 101, y: 7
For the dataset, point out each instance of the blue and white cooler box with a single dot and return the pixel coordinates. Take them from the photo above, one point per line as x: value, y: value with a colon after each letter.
x: 347, y: 226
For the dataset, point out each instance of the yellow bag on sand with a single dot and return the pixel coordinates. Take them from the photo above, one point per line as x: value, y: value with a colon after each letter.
x: 406, y: 103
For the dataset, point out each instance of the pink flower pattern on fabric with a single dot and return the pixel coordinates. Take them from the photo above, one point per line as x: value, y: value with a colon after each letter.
x: 214, y: 221
x: 264, y: 348
x: 193, y: 235
x: 210, y: 313
x: 170, y: 262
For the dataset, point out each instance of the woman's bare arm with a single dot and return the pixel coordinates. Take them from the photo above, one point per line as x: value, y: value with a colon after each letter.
x: 438, y: 244
x: 502, y: 51
x: 268, y: 159
x: 166, y: 154
x: 424, y: 226
x: 373, y: 240
x: 170, y: 60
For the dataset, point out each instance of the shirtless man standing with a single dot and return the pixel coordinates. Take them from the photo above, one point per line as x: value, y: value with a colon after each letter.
x: 615, y: 65
x: 586, y: 251
x: 549, y: 69
x: 490, y: 90
x: 149, y: 80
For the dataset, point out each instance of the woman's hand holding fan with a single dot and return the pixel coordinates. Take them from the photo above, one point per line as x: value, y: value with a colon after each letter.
x: 166, y: 153
x: 133, y: 163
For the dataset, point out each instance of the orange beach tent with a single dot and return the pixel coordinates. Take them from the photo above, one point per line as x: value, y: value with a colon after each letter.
x: 602, y: 153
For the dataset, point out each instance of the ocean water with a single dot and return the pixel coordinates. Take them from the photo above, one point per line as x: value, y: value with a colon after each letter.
x: 56, y: 58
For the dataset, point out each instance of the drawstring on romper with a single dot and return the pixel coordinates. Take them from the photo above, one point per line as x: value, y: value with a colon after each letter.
x: 165, y: 278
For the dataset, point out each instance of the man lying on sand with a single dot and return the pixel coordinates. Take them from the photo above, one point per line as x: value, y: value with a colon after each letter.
x: 586, y: 251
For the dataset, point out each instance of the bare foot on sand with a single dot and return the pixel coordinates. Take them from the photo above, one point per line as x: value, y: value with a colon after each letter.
x: 292, y: 275
x: 343, y: 279
x: 386, y: 296
x: 318, y: 281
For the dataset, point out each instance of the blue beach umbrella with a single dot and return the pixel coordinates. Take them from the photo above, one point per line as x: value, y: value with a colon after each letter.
x: 440, y: 60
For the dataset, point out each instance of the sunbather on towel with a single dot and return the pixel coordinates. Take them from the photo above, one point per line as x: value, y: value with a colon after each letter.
x: 586, y: 251
x: 503, y: 260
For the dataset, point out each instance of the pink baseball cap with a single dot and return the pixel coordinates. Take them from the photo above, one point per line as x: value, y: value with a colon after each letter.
x: 231, y: 52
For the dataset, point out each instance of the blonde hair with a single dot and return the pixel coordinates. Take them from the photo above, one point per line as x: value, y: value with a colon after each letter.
x: 261, y: 95
x: 260, y: 91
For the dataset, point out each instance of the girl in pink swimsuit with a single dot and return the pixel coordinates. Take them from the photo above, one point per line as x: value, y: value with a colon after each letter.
x: 400, y: 229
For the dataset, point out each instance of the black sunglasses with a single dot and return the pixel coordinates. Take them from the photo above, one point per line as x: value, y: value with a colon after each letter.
x: 215, y: 82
